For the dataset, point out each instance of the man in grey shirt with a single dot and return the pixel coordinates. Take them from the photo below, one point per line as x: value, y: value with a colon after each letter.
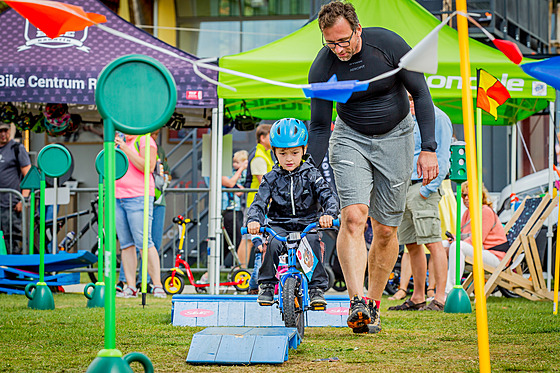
x: 14, y: 165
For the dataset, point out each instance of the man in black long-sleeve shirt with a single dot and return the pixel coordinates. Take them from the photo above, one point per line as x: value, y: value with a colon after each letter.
x: 371, y: 149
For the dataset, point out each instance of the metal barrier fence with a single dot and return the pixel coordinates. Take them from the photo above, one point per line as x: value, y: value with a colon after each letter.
x: 12, y: 223
x: 78, y: 221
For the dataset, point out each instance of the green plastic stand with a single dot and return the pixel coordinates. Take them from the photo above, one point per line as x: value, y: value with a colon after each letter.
x: 457, y: 301
x: 110, y: 361
x: 135, y: 94
x: 3, y: 250
x: 96, y: 297
x: 40, y: 296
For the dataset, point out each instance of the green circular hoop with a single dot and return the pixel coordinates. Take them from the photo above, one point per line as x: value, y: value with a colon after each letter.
x: 137, y: 93
x: 121, y: 163
x: 54, y: 160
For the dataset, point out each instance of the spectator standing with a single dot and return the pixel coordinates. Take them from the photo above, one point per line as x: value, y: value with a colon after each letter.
x: 371, y: 149
x: 232, y: 209
x: 158, y: 222
x: 260, y: 162
x: 421, y: 224
x: 129, y: 215
x: 14, y: 165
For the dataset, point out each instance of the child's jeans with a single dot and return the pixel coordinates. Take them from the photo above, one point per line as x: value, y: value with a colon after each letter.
x: 253, y: 282
x: 267, y: 273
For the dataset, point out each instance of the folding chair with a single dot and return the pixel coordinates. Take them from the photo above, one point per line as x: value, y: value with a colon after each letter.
x: 520, y: 271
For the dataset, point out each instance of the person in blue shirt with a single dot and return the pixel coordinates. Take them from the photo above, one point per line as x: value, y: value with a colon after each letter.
x: 421, y: 223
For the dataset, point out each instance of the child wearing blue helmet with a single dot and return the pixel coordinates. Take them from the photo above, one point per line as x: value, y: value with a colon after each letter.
x: 292, y: 195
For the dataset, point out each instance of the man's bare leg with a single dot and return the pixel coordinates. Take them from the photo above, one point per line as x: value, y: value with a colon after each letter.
x: 382, y: 258
x: 351, y: 248
x: 419, y: 267
x: 439, y: 258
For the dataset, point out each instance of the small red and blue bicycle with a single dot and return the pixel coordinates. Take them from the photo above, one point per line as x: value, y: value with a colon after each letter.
x: 293, y: 296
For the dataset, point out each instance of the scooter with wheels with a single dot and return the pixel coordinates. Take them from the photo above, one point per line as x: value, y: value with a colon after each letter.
x: 293, y: 295
x: 174, y: 282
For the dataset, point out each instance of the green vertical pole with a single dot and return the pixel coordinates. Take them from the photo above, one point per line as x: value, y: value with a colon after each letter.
x: 100, y: 248
x: 458, y: 237
x: 147, y: 175
x: 32, y: 222
x: 110, y: 238
x: 42, y: 230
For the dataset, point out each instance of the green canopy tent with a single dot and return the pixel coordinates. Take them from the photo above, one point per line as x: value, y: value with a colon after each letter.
x: 289, y: 59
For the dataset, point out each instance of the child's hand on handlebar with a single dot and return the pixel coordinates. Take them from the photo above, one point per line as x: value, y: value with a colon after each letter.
x: 253, y: 227
x: 326, y: 221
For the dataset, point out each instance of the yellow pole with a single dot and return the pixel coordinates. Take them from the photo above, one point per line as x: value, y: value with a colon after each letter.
x: 474, y: 200
x: 556, y: 270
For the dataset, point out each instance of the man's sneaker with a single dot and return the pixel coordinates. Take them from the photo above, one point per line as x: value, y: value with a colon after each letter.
x: 159, y: 292
x: 266, y: 295
x: 316, y: 298
x: 128, y: 292
x: 375, y: 325
x: 358, y: 315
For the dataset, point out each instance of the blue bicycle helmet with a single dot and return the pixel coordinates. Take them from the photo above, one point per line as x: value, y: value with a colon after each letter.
x: 288, y: 133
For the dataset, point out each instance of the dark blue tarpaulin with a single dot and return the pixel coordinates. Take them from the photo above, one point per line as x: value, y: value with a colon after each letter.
x: 34, y: 68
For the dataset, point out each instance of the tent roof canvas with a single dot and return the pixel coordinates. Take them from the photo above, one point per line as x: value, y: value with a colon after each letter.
x: 34, y: 68
x: 289, y: 59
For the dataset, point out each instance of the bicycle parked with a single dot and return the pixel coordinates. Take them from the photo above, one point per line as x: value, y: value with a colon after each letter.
x: 174, y: 282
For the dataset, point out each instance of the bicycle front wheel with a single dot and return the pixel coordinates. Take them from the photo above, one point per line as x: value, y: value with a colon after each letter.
x: 294, y: 316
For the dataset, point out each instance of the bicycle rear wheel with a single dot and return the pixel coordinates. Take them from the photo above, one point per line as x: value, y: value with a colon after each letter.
x: 294, y: 316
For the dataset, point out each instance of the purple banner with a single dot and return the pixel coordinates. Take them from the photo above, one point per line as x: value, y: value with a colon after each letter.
x: 34, y: 68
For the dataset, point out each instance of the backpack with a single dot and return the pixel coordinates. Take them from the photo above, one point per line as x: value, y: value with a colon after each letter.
x: 249, y: 175
x: 160, y: 181
x: 15, y: 149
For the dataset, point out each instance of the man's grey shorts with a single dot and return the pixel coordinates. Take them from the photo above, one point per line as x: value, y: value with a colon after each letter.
x: 373, y: 170
x: 421, y: 223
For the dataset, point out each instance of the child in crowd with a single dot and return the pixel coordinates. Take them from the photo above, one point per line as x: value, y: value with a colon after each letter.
x: 291, y: 197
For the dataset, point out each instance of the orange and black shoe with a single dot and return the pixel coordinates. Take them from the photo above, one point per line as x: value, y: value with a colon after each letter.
x: 358, y: 315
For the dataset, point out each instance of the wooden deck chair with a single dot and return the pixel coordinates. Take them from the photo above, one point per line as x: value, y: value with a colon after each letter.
x: 520, y: 271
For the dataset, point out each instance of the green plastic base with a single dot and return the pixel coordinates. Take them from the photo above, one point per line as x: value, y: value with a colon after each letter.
x: 116, y: 364
x: 40, y: 296
x: 458, y: 301
x: 96, y: 297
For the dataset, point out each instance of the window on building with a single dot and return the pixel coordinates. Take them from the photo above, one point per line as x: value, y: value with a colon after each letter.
x: 217, y: 28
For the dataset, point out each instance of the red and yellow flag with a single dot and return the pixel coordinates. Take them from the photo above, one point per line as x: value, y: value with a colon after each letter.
x: 491, y: 93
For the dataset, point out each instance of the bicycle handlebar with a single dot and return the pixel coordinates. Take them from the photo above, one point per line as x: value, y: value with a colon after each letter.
x: 335, y: 223
x: 181, y: 220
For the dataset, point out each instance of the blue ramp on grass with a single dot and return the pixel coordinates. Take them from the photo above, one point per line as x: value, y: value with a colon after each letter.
x: 243, y: 310
x: 227, y: 345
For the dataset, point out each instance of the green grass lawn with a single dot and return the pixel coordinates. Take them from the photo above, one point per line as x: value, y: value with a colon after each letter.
x: 524, y: 336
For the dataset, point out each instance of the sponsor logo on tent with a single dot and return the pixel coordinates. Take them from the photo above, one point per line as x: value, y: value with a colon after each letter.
x: 194, y: 95
x: 37, y: 38
x: 539, y: 88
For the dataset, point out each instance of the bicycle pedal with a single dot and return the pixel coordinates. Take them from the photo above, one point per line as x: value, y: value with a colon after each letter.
x: 266, y: 304
x: 318, y: 308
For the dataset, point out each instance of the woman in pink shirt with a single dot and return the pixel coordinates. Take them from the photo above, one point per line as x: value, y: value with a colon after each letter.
x: 129, y: 215
x: 494, y: 241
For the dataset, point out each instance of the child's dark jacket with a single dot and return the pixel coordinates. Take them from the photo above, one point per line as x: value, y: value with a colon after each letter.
x: 293, y: 199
